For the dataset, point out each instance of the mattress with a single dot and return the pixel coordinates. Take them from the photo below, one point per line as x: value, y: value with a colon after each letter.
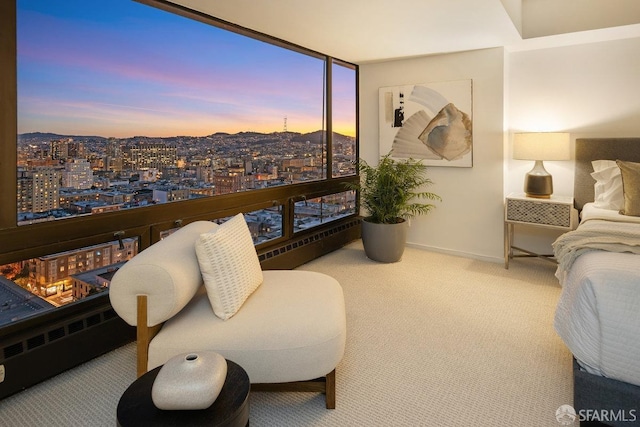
x: 598, y: 313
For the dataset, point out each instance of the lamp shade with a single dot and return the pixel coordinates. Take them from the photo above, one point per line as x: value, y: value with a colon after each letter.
x: 542, y: 146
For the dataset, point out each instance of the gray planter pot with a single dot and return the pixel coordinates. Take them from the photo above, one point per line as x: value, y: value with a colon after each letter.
x: 384, y: 242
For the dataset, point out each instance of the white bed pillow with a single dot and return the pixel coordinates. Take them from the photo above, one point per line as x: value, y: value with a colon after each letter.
x: 229, y: 265
x: 599, y: 165
x: 608, y: 192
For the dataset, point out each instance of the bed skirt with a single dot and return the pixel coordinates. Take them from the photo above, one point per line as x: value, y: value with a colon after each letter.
x: 602, y: 401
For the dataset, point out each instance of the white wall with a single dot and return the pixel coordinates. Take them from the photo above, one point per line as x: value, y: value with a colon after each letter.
x: 468, y: 221
x: 590, y: 90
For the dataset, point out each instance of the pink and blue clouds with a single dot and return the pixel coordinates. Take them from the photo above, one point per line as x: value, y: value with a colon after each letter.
x: 118, y: 68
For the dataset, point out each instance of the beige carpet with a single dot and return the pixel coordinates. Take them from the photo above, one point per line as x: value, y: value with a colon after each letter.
x: 434, y: 340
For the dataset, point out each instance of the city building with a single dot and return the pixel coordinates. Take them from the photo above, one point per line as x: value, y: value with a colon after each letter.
x: 225, y: 183
x: 63, y: 149
x: 149, y: 155
x: 92, y: 282
x: 113, y: 159
x: 165, y: 194
x: 45, y: 188
x: 51, y: 274
x: 77, y: 174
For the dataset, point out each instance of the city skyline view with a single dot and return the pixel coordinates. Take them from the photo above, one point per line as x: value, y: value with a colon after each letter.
x: 65, y: 176
x: 123, y: 106
x: 119, y: 69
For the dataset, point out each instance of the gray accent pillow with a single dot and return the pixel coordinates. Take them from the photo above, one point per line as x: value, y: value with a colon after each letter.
x: 631, y: 187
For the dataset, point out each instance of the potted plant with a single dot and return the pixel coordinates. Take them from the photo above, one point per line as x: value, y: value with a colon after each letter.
x: 389, y: 193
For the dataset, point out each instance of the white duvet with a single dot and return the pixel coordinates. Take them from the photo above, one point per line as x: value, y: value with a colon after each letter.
x: 598, y: 313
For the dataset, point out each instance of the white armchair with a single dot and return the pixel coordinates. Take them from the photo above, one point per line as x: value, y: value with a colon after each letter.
x: 289, y: 334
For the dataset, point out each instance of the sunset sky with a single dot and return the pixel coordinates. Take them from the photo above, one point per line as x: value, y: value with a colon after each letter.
x: 117, y: 68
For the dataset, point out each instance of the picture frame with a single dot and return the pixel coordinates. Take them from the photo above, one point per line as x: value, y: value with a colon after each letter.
x: 428, y: 121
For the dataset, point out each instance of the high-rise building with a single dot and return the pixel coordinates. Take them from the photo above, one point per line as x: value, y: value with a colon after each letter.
x: 45, y: 189
x: 25, y: 190
x: 77, y: 174
x: 144, y: 156
x: 75, y: 150
x: 113, y: 155
x: 63, y: 149
x: 59, y: 149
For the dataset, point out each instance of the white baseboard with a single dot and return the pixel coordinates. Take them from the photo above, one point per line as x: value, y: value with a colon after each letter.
x: 456, y: 253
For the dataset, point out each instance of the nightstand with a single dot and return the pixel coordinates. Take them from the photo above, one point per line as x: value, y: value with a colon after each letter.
x: 555, y: 213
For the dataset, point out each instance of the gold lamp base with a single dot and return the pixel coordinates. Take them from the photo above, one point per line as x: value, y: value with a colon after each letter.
x: 538, y: 182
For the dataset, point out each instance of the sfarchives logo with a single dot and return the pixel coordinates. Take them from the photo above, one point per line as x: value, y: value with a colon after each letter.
x: 566, y: 415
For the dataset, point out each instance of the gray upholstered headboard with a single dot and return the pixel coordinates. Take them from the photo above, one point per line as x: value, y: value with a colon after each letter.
x: 588, y: 149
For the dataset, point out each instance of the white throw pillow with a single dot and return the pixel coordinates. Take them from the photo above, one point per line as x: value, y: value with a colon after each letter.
x: 229, y: 265
x: 608, y: 192
x: 599, y: 165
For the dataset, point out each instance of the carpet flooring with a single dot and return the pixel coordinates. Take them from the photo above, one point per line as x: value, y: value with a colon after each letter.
x: 433, y: 340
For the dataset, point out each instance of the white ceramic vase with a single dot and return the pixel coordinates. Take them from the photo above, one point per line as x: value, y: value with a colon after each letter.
x: 189, y: 381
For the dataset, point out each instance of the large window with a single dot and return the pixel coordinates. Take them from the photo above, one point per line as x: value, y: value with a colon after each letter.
x: 125, y: 121
x: 321, y: 210
x: 344, y: 123
x: 122, y: 106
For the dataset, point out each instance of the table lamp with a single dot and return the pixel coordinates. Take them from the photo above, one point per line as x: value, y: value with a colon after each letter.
x: 540, y: 146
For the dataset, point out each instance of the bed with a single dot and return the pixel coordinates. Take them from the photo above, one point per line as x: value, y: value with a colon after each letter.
x: 598, y: 313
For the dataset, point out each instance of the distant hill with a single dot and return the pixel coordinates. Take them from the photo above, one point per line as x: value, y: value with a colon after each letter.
x: 43, y: 135
x: 39, y: 137
x: 314, y: 137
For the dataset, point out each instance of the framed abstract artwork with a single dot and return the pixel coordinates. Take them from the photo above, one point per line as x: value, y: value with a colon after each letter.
x: 430, y: 121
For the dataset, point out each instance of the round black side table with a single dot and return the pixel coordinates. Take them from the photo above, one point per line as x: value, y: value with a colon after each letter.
x: 230, y: 409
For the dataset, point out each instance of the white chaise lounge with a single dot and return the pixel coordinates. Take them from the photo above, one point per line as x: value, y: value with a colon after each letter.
x: 289, y: 334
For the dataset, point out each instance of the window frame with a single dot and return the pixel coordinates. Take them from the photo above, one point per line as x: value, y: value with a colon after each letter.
x: 34, y: 240
x: 23, y: 242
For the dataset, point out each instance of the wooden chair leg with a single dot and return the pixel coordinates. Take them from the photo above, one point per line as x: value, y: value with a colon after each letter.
x: 330, y: 391
x: 144, y: 335
x: 326, y: 385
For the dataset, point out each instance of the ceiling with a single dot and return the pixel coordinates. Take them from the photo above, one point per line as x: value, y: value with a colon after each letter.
x: 361, y: 31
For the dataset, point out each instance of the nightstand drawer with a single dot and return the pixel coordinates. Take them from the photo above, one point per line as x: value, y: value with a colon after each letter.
x: 538, y: 212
